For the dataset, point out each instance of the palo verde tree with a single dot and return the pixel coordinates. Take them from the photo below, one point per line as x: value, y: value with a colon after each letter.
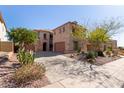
x: 98, y: 36
x: 22, y: 36
x: 101, y: 34
x: 104, y: 32
x: 79, y: 32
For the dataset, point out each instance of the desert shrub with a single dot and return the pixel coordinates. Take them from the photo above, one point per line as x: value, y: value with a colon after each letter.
x: 82, y: 52
x: 91, y: 55
x: 25, y: 57
x: 121, y: 48
x: 28, y: 73
x: 108, y: 53
x: 100, y: 53
x: 109, y: 49
x: 96, y: 54
x: 79, y: 50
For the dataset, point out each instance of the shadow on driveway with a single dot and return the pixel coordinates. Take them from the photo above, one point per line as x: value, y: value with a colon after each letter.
x: 46, y: 54
x: 3, y: 60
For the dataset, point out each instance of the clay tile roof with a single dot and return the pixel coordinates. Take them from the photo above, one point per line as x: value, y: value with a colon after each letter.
x: 41, y: 30
x: 69, y: 22
x: 1, y: 19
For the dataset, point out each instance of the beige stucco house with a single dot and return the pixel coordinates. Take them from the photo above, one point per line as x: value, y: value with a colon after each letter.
x: 60, y: 39
x: 63, y: 40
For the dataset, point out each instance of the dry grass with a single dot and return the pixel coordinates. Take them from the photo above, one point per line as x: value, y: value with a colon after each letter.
x: 28, y: 73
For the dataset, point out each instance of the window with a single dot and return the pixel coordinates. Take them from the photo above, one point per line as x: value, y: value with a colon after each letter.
x: 63, y: 29
x: 60, y: 30
x: 51, y: 36
x: 75, y: 45
x: 44, y: 36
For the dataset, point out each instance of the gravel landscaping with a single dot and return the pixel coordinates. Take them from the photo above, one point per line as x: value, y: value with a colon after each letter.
x: 59, y: 68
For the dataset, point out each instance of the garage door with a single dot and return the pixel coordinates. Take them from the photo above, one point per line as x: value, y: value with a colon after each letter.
x: 59, y: 47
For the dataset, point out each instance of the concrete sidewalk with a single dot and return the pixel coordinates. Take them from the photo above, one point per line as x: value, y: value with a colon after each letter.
x: 110, y: 75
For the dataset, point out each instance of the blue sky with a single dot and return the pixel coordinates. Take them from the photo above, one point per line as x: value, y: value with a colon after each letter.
x: 49, y: 17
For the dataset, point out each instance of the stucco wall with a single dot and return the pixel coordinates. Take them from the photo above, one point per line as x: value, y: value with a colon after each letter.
x: 61, y: 35
x: 39, y: 43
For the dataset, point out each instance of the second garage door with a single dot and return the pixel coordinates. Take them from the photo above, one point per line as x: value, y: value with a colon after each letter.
x: 59, y: 47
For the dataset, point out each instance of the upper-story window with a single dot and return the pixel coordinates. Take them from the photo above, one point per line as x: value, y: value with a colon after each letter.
x: 44, y: 35
x: 51, y: 36
x: 60, y: 30
x: 63, y: 29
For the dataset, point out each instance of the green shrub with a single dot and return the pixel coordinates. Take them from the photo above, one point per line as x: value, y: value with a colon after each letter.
x: 25, y: 57
x: 28, y: 73
x: 109, y: 49
x: 91, y: 55
x: 78, y: 50
x: 96, y: 54
x: 100, y: 53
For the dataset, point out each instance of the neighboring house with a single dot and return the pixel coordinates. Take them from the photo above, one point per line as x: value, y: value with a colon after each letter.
x: 5, y: 44
x: 63, y: 40
x: 45, y: 40
x: 3, y: 30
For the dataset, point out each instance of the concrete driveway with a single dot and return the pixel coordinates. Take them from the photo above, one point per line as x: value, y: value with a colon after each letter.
x: 64, y: 72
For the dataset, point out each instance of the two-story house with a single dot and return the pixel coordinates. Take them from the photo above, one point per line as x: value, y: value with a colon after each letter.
x: 60, y: 39
x: 63, y: 40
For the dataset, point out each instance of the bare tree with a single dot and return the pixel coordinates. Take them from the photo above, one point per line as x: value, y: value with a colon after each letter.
x: 112, y: 25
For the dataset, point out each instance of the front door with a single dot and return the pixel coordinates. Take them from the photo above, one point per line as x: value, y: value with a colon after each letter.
x: 75, y: 43
x: 89, y: 47
x: 44, y: 46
